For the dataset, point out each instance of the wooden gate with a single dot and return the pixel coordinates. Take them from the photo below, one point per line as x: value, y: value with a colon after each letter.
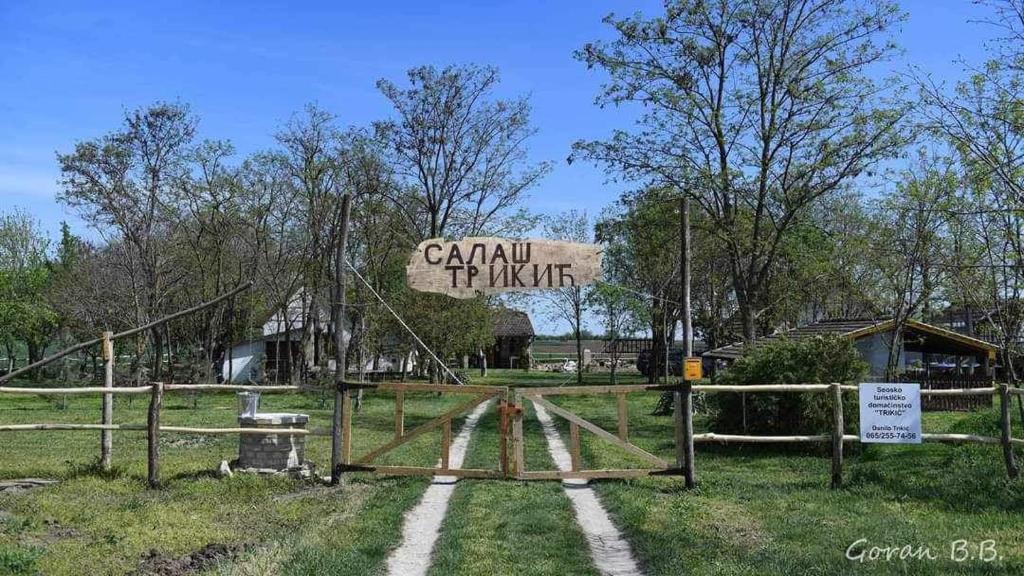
x: 479, y: 395
x: 620, y: 438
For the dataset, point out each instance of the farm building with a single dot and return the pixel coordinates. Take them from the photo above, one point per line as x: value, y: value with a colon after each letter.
x: 513, y: 339
x: 925, y: 347
x: 254, y: 360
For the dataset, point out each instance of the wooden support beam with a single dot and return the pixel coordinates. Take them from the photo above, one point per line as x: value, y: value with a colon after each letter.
x: 592, y: 390
x: 574, y: 445
x: 153, y: 434
x: 422, y: 428
x: 517, y: 437
x: 601, y: 432
x: 587, y: 474
x: 443, y: 388
x: 106, y: 438
x: 234, y: 388
x: 172, y: 429
x: 83, y: 391
x: 346, y: 430
x: 837, y: 437
x: 446, y: 444
x: 623, y: 413
x: 425, y: 471
x: 399, y: 413
x: 503, y: 428
x: 689, y: 466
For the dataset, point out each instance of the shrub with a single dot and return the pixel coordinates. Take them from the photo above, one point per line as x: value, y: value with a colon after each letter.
x: 818, y: 360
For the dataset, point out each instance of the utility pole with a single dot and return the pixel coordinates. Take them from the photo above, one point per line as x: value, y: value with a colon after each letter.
x: 684, y: 266
x: 683, y: 400
x: 341, y: 398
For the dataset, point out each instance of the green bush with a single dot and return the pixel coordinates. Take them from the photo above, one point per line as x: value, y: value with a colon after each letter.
x: 818, y: 360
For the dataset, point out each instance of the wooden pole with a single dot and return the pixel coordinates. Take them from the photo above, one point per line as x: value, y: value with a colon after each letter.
x: 446, y: 444
x: 574, y: 445
x: 503, y: 427
x: 399, y: 413
x: 837, y: 436
x: 684, y: 266
x: 679, y: 426
x: 153, y: 433
x: 1004, y: 412
x: 340, y: 389
x: 687, y: 405
x: 106, y: 436
x: 623, y: 417
x: 517, y: 436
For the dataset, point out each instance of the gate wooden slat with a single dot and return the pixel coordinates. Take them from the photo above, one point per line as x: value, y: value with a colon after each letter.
x: 601, y: 432
x: 425, y: 427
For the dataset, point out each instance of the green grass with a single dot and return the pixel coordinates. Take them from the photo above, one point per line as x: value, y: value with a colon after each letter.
x: 103, y: 523
x: 763, y: 510
x: 509, y: 527
x: 758, y: 510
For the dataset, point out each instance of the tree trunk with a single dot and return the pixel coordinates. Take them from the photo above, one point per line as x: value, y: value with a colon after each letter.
x: 578, y: 313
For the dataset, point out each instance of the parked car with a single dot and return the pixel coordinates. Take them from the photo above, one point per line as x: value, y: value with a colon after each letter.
x: 675, y: 362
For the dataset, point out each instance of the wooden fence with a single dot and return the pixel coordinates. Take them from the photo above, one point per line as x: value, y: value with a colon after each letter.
x: 152, y: 427
x: 511, y: 428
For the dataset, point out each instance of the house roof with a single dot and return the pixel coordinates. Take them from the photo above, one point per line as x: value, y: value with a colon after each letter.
x: 509, y: 322
x: 941, y: 339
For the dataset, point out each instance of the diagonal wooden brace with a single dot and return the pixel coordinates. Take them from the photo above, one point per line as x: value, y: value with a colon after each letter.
x: 425, y: 427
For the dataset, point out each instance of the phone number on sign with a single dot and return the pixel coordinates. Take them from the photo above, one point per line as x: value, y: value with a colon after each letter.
x: 891, y: 435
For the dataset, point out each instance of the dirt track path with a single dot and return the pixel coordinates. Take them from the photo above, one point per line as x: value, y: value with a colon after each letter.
x: 422, y: 525
x: 610, y: 551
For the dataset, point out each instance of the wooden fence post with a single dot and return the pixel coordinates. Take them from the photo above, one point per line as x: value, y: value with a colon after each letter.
x: 519, y: 462
x: 1004, y: 412
x: 346, y: 436
x: 156, y: 401
x: 399, y: 413
x: 106, y: 436
x: 837, y: 436
x: 574, y: 445
x: 446, y: 445
x: 623, y: 411
x: 683, y: 400
x: 504, y: 411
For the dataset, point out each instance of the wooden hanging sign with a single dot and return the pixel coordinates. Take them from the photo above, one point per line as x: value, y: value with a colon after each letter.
x: 488, y: 265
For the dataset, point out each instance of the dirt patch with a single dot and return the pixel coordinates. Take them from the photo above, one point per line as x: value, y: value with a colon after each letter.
x: 158, y: 564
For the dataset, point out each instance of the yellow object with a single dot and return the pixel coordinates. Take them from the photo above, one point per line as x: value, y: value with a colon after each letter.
x: 693, y: 369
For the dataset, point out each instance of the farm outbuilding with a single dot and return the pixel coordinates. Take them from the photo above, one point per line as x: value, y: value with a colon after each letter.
x: 513, y: 339
x: 280, y: 343
x: 925, y: 347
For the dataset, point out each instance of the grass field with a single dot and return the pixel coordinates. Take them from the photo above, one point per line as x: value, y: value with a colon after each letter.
x: 756, y: 511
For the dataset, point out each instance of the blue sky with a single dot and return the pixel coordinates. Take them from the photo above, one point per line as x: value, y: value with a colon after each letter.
x: 68, y: 70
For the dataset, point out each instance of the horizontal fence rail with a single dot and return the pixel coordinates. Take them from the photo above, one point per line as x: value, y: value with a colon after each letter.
x: 153, y: 428
x: 685, y: 438
x: 512, y: 415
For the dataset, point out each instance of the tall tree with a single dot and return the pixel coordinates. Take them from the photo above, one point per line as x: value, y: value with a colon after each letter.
x: 124, y: 185
x: 909, y: 245
x: 569, y: 304
x: 25, y: 278
x: 756, y: 108
x: 459, y: 152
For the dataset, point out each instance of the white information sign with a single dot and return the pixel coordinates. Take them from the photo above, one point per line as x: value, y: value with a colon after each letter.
x: 890, y: 413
